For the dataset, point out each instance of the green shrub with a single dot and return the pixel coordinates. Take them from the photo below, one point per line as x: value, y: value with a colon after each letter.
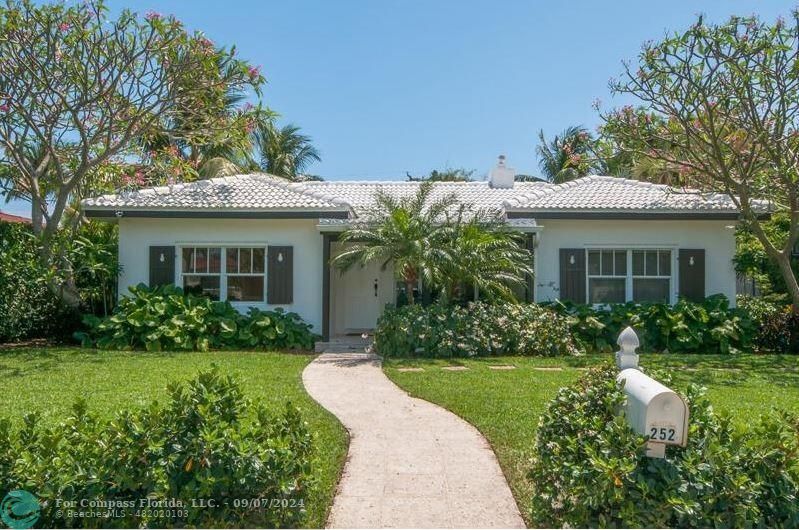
x: 590, y: 469
x: 165, y: 318
x: 687, y: 327
x: 206, y: 443
x: 478, y: 329
x: 28, y: 308
x: 777, y: 325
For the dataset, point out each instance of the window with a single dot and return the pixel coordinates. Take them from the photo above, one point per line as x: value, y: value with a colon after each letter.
x: 245, y: 274
x: 201, y: 268
x: 238, y: 277
x: 617, y: 275
x: 607, y: 276
x: 651, y: 275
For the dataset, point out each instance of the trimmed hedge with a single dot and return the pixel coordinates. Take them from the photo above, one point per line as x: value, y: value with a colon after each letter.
x: 477, y: 329
x: 590, y: 470
x: 687, y: 327
x: 166, y: 318
x: 206, y: 443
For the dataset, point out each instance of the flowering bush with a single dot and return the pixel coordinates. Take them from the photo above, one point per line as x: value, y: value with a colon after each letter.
x: 478, y: 329
x: 590, y: 470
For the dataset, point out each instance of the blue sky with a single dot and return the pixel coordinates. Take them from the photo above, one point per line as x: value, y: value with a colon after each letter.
x: 389, y: 87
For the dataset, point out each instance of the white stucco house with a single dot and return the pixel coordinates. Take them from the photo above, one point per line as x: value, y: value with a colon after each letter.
x: 258, y: 240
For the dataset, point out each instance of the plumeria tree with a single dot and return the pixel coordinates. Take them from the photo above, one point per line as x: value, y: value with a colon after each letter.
x: 720, y: 105
x: 89, y: 102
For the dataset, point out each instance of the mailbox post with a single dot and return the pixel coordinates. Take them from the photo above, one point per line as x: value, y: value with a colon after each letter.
x: 651, y: 408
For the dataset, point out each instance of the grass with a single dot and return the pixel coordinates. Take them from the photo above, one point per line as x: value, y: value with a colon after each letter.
x: 505, y: 404
x: 49, y: 380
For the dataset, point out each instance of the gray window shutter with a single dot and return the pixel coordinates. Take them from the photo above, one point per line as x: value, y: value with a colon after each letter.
x: 280, y: 275
x: 162, y: 266
x: 692, y: 274
x: 572, y: 275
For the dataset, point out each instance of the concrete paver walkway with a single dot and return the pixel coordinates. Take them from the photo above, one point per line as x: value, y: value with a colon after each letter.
x: 411, y: 463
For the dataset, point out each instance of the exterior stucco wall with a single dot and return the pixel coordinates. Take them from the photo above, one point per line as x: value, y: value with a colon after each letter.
x: 716, y: 237
x: 137, y: 235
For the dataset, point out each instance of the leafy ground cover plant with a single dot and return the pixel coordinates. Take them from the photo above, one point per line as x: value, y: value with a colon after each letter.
x: 166, y: 318
x: 590, y: 469
x: 478, y: 329
x: 687, y: 327
x: 204, y: 443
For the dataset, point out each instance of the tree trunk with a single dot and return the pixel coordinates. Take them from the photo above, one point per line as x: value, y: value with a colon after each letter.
x: 784, y: 262
x: 409, y: 285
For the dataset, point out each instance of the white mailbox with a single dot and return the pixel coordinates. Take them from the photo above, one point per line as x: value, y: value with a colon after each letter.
x: 652, y: 409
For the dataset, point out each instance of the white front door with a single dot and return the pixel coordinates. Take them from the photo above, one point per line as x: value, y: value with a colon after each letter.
x: 366, y: 291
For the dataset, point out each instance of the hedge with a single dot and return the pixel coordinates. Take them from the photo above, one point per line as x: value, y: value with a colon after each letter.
x: 206, y: 443
x: 589, y: 468
x: 477, y: 329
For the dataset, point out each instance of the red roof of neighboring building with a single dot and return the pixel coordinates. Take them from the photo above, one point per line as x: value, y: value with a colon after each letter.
x: 8, y: 218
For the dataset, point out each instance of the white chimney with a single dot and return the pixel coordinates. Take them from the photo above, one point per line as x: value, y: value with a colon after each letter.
x: 501, y: 176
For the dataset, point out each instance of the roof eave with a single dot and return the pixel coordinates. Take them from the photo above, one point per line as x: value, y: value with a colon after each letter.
x: 632, y: 214
x: 108, y: 212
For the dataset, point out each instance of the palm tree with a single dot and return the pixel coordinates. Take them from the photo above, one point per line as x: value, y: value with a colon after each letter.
x: 284, y: 151
x: 403, y: 232
x: 446, y: 244
x: 486, y: 254
x: 566, y: 157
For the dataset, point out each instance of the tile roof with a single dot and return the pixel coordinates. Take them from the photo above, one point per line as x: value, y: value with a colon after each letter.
x: 258, y: 192
x: 240, y: 192
x: 360, y: 194
x: 601, y: 194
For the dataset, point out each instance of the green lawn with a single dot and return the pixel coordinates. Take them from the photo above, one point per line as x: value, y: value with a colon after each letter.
x: 505, y: 405
x: 48, y: 380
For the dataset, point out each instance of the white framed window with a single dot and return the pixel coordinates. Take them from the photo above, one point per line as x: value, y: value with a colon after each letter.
x: 607, y: 276
x: 629, y: 275
x: 245, y: 273
x: 651, y: 276
x: 236, y: 274
x: 201, y: 271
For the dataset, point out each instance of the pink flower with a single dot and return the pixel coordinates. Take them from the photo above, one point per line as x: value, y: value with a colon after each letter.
x: 247, y: 107
x: 254, y: 71
x: 63, y: 27
x: 4, y: 107
x: 152, y: 15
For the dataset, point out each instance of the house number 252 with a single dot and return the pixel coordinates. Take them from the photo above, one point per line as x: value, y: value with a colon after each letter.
x: 663, y: 434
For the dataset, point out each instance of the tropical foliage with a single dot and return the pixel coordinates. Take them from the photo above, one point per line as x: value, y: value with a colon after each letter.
x: 94, y: 261
x: 720, y: 104
x: 284, y: 151
x: 447, y: 245
x: 591, y: 470
x: 165, y: 318
x: 687, y: 327
x: 478, y: 329
x: 444, y: 175
x: 207, y: 442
